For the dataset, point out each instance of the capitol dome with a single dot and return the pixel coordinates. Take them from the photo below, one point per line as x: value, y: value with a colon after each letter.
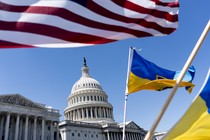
x: 85, y: 82
x: 87, y: 101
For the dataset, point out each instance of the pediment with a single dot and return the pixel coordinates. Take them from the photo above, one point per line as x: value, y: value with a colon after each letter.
x: 17, y: 99
x: 132, y: 125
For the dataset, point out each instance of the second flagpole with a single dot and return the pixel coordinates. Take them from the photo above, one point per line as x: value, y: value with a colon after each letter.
x: 178, y: 81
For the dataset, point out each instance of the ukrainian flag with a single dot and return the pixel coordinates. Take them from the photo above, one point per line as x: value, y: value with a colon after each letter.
x: 195, y: 124
x: 145, y: 75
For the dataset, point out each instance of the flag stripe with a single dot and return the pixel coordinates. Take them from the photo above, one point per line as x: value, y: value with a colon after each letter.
x: 116, y: 25
x: 76, y: 19
x: 13, y: 45
x: 40, y: 41
x: 54, y: 32
x: 153, y: 12
x: 140, y: 21
x: 87, y: 23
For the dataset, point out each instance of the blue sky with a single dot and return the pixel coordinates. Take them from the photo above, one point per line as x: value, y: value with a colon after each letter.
x: 47, y: 75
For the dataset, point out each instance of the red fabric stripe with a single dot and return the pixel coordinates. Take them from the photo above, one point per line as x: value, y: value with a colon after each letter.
x: 53, y: 32
x: 7, y: 44
x: 171, y: 4
x: 74, y: 18
x: 153, y: 12
x: 152, y: 25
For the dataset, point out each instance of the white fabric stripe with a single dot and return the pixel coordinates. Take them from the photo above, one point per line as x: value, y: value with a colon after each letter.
x: 62, y: 45
x: 63, y: 24
x: 30, y: 2
x: 129, y: 13
x: 168, y: 1
x: 151, y: 5
x: 84, y: 12
x: 36, y: 40
x: 72, y: 26
x: 75, y: 8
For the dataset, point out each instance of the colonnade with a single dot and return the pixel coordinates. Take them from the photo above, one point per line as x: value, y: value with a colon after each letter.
x: 27, y: 127
x: 89, y: 113
x: 128, y: 136
x: 84, y: 98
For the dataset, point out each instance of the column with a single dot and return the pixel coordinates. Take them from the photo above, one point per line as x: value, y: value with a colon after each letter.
x: 114, y: 134
x: 107, y: 114
x: 99, y: 110
x: 126, y: 135
x: 35, y: 125
x: 77, y: 117
x: 69, y: 114
x: 72, y: 115
x: 74, y: 112
x: 20, y: 137
x: 57, y: 129
x: 79, y: 114
x: 83, y: 115
x: 110, y: 112
x: 7, y: 127
x: 111, y: 136
x: 104, y: 112
x: 17, y: 126
x: 43, y: 124
x: 1, y: 125
x: 135, y: 136
x: 96, y: 113
x: 129, y: 135
x: 91, y: 112
x: 118, y: 136
x: 132, y: 136
x: 108, y: 138
x: 66, y: 116
x: 26, y: 129
x: 87, y: 113
x: 51, y: 131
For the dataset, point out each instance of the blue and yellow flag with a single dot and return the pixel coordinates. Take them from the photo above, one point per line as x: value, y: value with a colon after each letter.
x: 195, y: 124
x: 145, y: 75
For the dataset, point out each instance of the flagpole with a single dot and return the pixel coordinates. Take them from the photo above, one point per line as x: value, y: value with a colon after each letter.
x: 126, y: 91
x: 124, y: 119
x: 178, y: 81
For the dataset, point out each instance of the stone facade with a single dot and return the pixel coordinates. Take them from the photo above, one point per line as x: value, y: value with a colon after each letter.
x: 72, y: 130
x: 23, y: 119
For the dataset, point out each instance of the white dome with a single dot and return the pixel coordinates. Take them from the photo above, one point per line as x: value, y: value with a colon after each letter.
x: 85, y: 82
x: 88, y: 102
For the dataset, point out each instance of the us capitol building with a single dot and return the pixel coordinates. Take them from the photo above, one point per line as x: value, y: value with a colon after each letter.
x: 88, y: 116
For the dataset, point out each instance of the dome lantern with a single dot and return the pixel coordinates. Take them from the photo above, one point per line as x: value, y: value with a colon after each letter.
x: 85, y: 69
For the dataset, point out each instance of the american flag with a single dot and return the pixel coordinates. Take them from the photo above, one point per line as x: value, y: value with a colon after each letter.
x: 76, y: 23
